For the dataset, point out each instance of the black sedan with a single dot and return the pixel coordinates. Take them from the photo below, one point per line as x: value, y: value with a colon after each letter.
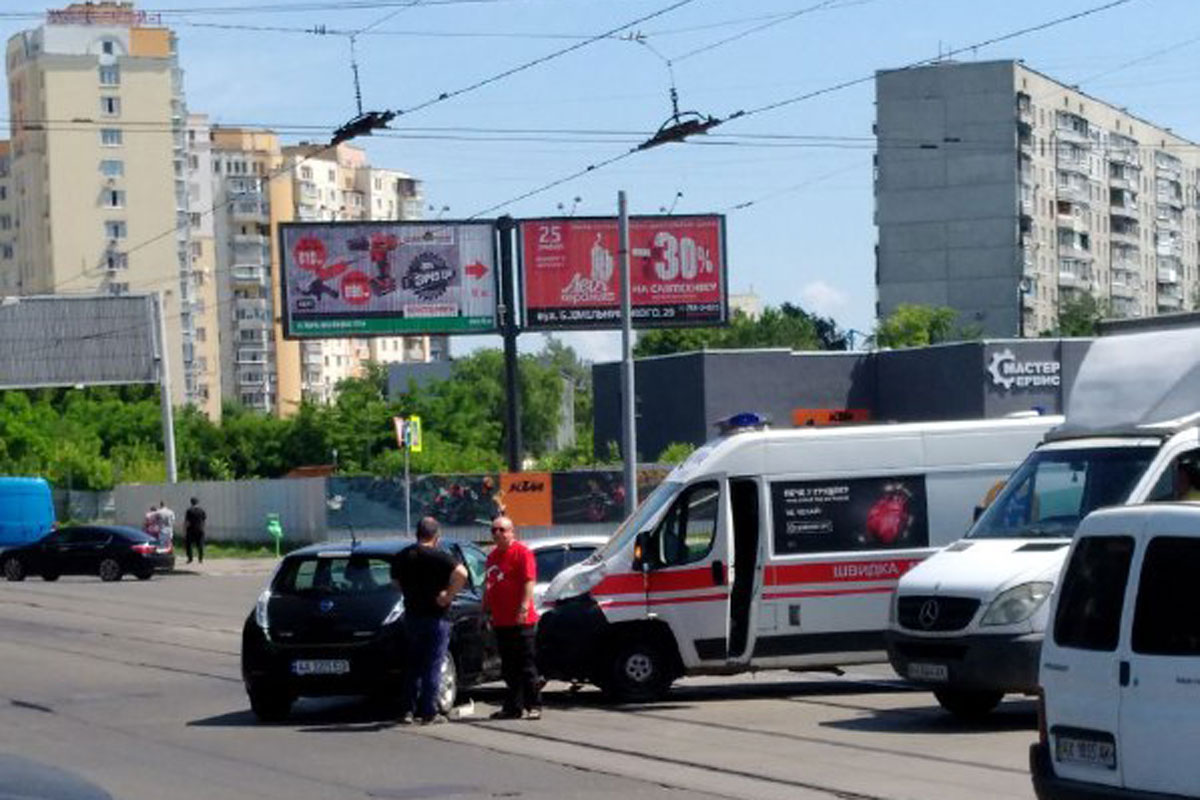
x: 109, y: 551
x: 331, y: 623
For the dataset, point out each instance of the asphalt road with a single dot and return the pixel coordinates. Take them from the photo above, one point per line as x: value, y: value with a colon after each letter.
x: 135, y: 687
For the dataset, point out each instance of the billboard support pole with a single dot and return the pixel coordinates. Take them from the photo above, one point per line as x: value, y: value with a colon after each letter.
x: 508, y: 329
x: 164, y: 381
x: 628, y: 413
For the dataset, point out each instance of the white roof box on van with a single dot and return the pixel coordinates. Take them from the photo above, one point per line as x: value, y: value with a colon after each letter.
x: 1141, y: 383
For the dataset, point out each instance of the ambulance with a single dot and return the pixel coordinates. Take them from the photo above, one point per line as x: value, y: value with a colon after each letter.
x: 772, y: 549
x: 968, y: 623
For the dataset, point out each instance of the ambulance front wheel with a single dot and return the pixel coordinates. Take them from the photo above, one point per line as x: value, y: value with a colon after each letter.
x: 639, y: 671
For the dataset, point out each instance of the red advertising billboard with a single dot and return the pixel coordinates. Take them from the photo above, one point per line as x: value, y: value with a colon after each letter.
x: 570, y: 280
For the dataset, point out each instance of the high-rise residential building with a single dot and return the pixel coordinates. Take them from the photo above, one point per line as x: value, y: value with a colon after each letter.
x: 8, y: 230
x: 247, y: 206
x: 98, y: 160
x: 206, y: 358
x: 1002, y: 193
x: 339, y: 184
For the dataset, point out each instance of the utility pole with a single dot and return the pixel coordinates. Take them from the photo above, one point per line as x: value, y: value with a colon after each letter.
x: 508, y: 329
x: 628, y: 389
x: 164, y: 381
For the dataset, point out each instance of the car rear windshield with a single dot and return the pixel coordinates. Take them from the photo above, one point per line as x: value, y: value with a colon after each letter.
x: 1054, y: 489
x: 338, y: 574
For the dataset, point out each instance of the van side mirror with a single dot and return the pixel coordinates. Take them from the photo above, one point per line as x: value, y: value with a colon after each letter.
x: 642, y: 553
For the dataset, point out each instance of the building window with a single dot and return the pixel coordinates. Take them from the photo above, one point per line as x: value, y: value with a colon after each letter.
x: 112, y: 168
x: 110, y: 75
x: 306, y: 173
x: 110, y: 137
x: 106, y: 47
x: 114, y: 198
x: 194, y: 219
x: 114, y: 260
x: 5, y: 222
x: 110, y: 106
x: 6, y: 251
x: 115, y: 229
x: 201, y: 334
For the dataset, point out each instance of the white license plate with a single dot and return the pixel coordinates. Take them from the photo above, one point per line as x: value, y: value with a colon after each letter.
x: 1087, y: 752
x: 929, y: 672
x: 321, y: 666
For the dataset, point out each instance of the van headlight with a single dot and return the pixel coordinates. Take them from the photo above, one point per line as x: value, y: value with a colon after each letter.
x: 580, y: 583
x: 1017, y: 604
x: 396, y: 613
x: 261, y: 617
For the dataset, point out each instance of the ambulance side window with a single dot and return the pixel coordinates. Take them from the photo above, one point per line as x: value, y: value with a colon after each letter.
x: 687, y: 532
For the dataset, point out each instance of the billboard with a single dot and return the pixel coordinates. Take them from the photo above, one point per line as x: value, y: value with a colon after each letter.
x: 569, y: 272
x: 362, y: 279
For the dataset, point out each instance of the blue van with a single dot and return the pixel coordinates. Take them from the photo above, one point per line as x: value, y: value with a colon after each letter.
x: 26, y: 510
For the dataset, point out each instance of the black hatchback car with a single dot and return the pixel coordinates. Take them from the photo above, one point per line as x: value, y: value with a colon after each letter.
x: 331, y: 623
x: 109, y: 551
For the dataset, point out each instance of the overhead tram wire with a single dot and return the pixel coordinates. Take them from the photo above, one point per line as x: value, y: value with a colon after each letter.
x: 824, y: 5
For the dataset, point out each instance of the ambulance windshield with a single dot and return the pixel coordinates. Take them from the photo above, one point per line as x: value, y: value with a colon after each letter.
x: 1055, y: 488
x: 654, y: 502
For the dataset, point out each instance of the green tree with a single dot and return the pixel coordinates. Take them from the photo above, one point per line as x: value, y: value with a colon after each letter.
x: 1079, y: 315
x: 786, y: 326
x: 916, y: 326
x: 675, y: 453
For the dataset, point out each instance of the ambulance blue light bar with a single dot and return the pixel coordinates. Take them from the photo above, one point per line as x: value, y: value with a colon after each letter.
x: 741, y: 422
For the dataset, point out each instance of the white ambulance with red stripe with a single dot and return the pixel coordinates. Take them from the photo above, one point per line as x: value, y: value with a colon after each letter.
x: 773, y: 549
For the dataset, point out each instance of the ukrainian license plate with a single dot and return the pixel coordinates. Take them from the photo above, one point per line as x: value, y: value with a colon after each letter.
x: 321, y: 666
x: 938, y: 673
x: 1088, y: 752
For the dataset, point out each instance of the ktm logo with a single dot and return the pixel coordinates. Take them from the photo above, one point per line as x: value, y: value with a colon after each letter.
x: 527, y: 486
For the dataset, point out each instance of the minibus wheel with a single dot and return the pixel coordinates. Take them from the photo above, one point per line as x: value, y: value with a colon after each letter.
x: 968, y: 704
x: 638, y: 671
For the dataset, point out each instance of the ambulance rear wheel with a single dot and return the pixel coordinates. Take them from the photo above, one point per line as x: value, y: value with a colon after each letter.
x: 968, y: 705
x: 638, y: 671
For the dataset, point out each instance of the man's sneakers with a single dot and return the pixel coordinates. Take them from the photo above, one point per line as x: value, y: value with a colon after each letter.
x: 436, y: 719
x: 406, y: 718
x: 505, y: 713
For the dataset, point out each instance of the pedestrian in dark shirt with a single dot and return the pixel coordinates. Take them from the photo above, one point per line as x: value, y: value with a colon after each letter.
x: 429, y: 577
x: 193, y: 530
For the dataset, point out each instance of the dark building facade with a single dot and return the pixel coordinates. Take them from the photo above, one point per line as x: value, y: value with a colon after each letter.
x: 679, y: 397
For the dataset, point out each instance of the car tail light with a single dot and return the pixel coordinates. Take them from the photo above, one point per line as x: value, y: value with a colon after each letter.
x: 1043, y: 734
x: 146, y: 549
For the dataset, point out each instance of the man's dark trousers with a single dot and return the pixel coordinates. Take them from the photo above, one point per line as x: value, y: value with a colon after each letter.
x: 428, y: 641
x: 519, y: 665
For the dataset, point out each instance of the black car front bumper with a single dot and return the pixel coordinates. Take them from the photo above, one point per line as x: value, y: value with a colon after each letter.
x: 973, y: 663
x: 571, y: 639
x: 375, y: 665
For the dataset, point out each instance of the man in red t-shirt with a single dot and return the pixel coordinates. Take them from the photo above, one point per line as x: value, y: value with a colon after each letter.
x: 508, y: 601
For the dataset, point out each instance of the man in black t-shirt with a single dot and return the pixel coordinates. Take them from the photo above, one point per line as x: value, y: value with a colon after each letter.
x: 429, y: 578
x: 193, y: 530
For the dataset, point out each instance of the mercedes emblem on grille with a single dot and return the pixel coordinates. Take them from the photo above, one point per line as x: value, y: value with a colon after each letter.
x: 928, y: 614
x: 327, y: 606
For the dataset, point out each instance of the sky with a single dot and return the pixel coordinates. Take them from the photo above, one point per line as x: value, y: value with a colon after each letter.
x: 799, y: 209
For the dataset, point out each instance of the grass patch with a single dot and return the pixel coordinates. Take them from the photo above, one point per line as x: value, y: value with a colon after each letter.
x: 238, y: 550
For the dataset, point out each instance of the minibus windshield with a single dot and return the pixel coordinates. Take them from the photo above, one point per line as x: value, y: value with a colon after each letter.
x: 654, y: 502
x: 1054, y: 489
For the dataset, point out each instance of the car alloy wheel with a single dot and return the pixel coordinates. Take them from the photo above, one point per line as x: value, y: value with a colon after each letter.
x: 638, y: 671
x: 447, y: 685
x: 14, y: 570
x: 110, y: 570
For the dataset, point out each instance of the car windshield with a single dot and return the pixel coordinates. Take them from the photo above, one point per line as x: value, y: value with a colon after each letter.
x: 1054, y: 489
x: 341, y: 574
x: 654, y: 502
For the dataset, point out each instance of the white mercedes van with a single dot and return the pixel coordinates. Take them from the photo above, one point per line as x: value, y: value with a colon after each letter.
x: 968, y: 622
x: 1119, y: 715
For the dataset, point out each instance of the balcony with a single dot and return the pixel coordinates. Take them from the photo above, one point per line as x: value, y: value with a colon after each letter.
x: 1127, y: 211
x: 1074, y: 193
x: 1168, y: 275
x: 1169, y: 247
x: 251, y: 211
x: 252, y: 274
x: 251, y: 353
x: 1123, y: 289
x: 250, y: 240
x: 1129, y: 236
x: 1122, y: 155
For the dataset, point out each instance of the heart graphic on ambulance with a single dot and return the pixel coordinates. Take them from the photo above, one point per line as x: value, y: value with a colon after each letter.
x: 890, y: 517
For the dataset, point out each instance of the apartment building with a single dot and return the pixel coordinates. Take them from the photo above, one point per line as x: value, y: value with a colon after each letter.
x: 206, y: 358
x: 248, y: 205
x: 1002, y: 193
x: 99, y: 200
x: 8, y: 231
x: 338, y: 184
